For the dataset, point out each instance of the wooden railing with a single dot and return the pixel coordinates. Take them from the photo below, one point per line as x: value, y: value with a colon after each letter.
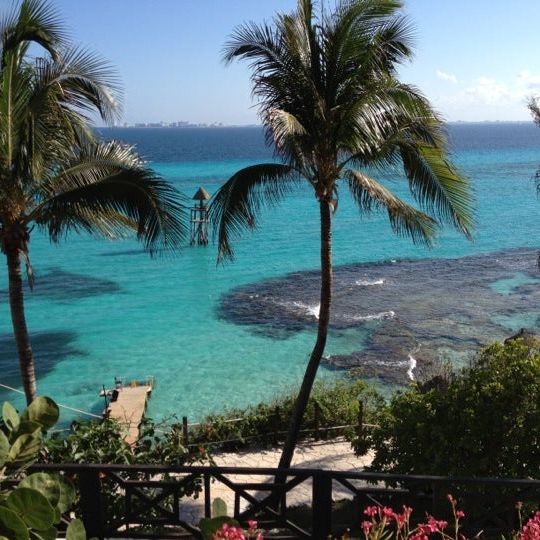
x: 148, y: 501
x: 321, y: 430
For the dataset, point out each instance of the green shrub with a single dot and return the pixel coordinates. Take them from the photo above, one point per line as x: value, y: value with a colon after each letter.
x: 102, y: 442
x: 484, y: 421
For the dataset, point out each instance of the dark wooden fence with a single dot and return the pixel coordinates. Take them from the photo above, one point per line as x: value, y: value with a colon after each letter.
x: 320, y: 430
x: 146, y: 501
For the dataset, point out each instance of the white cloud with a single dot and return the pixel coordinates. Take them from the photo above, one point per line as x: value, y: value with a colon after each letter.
x: 489, y: 92
x: 446, y: 76
x: 489, y: 98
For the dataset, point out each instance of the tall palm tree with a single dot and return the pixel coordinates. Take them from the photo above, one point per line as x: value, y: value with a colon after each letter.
x: 54, y: 174
x: 333, y: 108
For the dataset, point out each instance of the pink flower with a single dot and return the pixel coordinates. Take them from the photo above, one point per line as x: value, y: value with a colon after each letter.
x: 252, y: 524
x: 387, y: 512
x: 460, y: 514
x: 366, y: 527
x: 371, y: 511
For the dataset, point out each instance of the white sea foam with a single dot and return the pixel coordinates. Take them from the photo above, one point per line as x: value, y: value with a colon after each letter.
x: 375, y: 316
x: 412, y: 365
x: 369, y: 282
x: 312, y: 310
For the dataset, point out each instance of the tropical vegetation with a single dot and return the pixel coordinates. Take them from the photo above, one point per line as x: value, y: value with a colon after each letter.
x: 102, y: 442
x: 338, y: 116
x: 482, y: 421
x: 40, y: 501
x: 55, y: 176
x: 331, y: 404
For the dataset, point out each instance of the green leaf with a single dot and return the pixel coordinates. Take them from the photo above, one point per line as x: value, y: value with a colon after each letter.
x: 219, y: 507
x: 12, y: 526
x: 4, y: 448
x: 42, y: 410
x: 67, y: 494
x: 75, y: 530
x: 24, y: 451
x: 48, y: 485
x: 10, y: 416
x: 49, y: 534
x: 26, y: 427
x: 33, y: 507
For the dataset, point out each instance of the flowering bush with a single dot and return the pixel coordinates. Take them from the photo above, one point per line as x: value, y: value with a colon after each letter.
x: 231, y: 532
x: 385, y: 524
x: 531, y: 529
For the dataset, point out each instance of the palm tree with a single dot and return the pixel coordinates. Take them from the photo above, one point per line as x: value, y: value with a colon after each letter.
x: 333, y: 108
x: 54, y: 174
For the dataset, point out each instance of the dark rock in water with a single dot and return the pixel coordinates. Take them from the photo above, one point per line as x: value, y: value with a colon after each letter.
x: 432, y: 309
x: 386, y: 356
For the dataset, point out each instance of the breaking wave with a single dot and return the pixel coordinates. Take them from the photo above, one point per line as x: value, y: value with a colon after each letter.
x: 412, y: 365
x: 369, y: 282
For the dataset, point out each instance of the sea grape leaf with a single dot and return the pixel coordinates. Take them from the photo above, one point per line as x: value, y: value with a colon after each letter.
x: 24, y: 451
x: 4, y: 448
x: 26, y: 427
x: 48, y: 485
x: 12, y: 526
x: 67, y: 494
x: 10, y: 416
x: 75, y: 530
x: 219, y: 507
x: 49, y: 534
x: 42, y: 410
x: 32, y: 507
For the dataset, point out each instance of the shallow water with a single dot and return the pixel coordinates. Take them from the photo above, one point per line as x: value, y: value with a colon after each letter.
x: 104, y: 309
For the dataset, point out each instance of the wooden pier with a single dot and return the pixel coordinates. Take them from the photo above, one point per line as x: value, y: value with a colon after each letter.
x: 127, y: 407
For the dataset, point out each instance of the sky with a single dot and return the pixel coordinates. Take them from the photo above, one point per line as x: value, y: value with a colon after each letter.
x: 476, y: 60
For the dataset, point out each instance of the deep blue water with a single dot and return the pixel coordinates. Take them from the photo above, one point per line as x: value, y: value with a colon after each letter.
x: 104, y: 309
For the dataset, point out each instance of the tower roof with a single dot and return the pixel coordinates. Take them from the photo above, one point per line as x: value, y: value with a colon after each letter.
x: 201, y: 195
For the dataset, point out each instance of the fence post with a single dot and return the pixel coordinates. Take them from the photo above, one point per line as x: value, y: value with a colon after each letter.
x: 322, y: 505
x: 276, y: 424
x: 185, y: 433
x: 91, y: 503
x: 317, y: 421
x: 360, y: 421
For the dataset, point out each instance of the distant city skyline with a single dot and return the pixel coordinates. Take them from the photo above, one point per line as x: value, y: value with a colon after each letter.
x: 476, y: 61
x: 186, y: 124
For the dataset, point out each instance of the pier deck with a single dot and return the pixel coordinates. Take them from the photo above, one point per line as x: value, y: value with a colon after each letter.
x: 128, y: 409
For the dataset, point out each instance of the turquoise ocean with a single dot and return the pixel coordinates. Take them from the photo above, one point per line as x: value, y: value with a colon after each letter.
x: 104, y: 309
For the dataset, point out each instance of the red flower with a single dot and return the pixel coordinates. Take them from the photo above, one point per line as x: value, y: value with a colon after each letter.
x: 371, y: 511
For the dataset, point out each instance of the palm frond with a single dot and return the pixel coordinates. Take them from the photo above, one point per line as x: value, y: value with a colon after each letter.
x: 437, y: 185
x: 236, y: 205
x: 33, y: 21
x: 81, y: 82
x: 105, y: 189
x: 405, y: 220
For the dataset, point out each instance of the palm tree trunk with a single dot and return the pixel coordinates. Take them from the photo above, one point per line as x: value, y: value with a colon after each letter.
x: 20, y: 330
x: 322, y: 332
